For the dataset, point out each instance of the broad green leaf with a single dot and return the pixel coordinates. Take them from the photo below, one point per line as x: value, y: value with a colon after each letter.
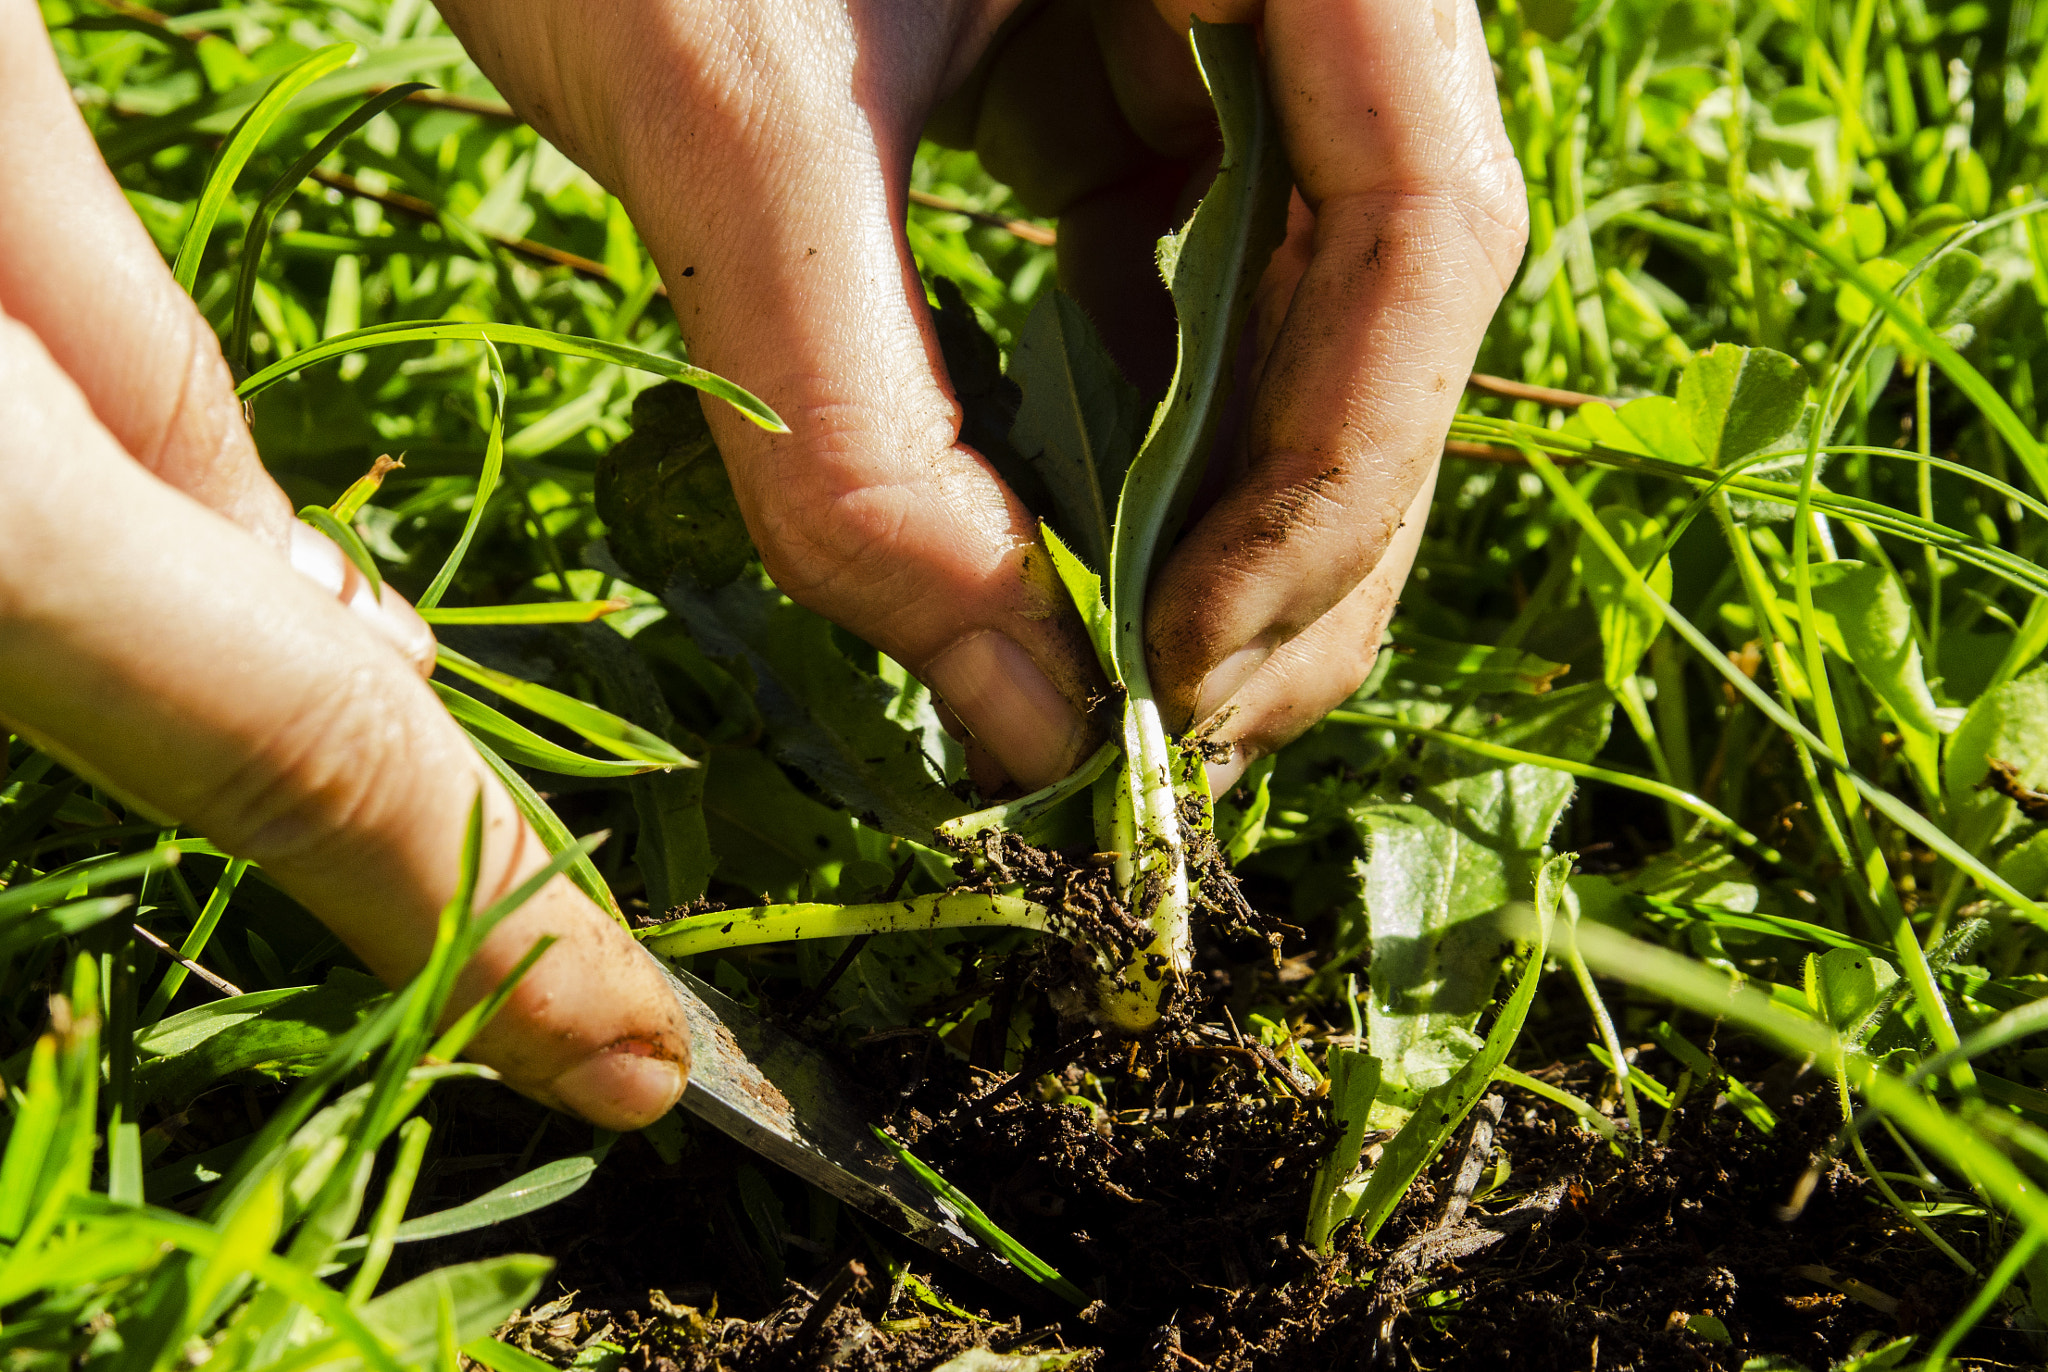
x: 1211, y: 267
x: 665, y: 499
x: 1738, y: 401
x: 1085, y: 588
x: 1629, y: 622
x: 1653, y: 426
x: 515, y: 742
x: 2007, y: 727
x: 1439, y: 1113
x: 1845, y: 986
x: 769, y: 836
x: 1866, y: 619
x: 1449, y: 838
x: 280, y: 1033
x: 240, y: 146
x: 620, y: 737
x: 1078, y: 424
x: 824, y: 716
x: 480, y: 1296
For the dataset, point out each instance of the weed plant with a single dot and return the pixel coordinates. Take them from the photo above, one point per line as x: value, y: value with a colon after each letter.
x: 1714, y: 706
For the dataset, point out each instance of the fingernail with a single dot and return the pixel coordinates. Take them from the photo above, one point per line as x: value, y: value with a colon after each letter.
x: 315, y: 557
x: 1011, y: 707
x: 1228, y: 677
x: 627, y: 1086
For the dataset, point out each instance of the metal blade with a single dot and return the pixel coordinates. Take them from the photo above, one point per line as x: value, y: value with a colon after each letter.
x: 786, y: 1101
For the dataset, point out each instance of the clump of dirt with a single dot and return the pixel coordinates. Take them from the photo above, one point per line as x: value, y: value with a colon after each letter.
x: 1180, y: 1206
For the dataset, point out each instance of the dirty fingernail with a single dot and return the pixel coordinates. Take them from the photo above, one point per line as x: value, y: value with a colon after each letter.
x: 1228, y: 677
x: 627, y: 1086
x: 1011, y: 707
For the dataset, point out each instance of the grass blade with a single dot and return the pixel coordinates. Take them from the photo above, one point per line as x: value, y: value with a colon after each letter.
x: 241, y: 144
x: 546, y: 340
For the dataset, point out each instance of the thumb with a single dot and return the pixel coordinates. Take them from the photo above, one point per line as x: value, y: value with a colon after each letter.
x: 260, y: 712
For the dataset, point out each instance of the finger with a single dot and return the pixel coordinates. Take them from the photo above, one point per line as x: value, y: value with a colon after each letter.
x: 1392, y: 126
x: 769, y: 180
x: 1317, y: 670
x: 77, y: 267
x: 316, y: 557
x: 198, y: 674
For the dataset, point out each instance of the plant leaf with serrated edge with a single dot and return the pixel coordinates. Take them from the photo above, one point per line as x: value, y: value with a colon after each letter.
x: 824, y: 716
x: 1078, y: 424
x: 1085, y: 589
x: 1440, y: 1112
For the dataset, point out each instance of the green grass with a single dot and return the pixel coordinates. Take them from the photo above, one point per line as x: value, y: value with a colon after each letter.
x: 1744, y: 638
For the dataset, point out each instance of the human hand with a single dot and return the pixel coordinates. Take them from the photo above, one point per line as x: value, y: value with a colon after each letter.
x: 764, y: 150
x: 154, y: 636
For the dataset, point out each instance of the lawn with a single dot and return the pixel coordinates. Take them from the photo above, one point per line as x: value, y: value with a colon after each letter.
x: 1641, y: 970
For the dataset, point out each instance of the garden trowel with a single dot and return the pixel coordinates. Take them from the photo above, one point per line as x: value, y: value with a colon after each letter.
x: 786, y: 1101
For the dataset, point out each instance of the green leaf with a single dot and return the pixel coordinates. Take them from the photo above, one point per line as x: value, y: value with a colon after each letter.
x: 1354, y: 1084
x: 2007, y: 726
x: 1737, y: 401
x: 619, y: 737
x: 281, y: 1033
x: 1629, y: 622
x: 569, y: 345
x: 541, y: 1187
x: 1865, y: 618
x: 254, y: 241
x: 825, y: 717
x: 1079, y: 422
x: 984, y: 1228
x: 1440, y: 1112
x: 721, y: 929
x: 479, y: 1296
x: 554, y: 835
x: 1420, y: 659
x: 1440, y: 864
x: 32, y: 895
x: 486, y: 484
x: 1084, y: 587
x: 665, y: 498
x: 1212, y: 267
x: 1845, y: 987
x: 515, y: 742
x: 241, y: 144
x: 345, y: 538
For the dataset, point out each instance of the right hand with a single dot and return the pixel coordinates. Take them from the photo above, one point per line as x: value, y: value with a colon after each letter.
x: 764, y: 149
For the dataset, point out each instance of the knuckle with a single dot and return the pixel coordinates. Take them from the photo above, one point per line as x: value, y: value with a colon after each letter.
x: 315, y: 789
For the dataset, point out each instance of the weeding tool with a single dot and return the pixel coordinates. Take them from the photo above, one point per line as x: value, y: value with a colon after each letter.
x: 786, y: 1101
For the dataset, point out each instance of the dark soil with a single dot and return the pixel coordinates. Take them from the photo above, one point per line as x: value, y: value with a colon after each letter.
x: 1184, y: 1220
